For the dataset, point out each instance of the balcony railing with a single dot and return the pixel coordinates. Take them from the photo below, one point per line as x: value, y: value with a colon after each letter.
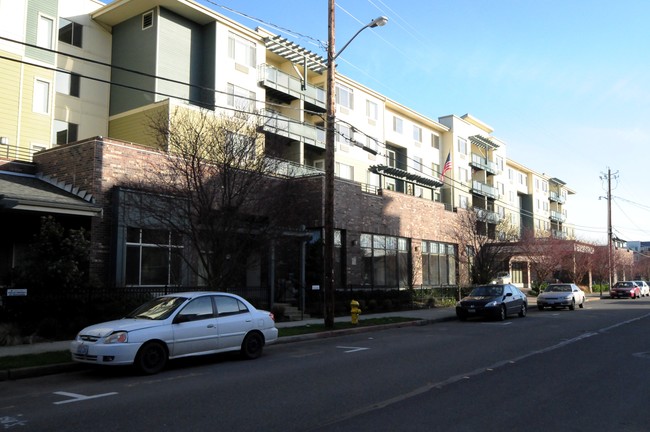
x: 559, y: 234
x: 292, y: 86
x: 554, y: 196
x: 293, y: 129
x: 485, y: 190
x: 480, y: 162
x: 285, y: 168
x: 488, y: 216
x: 557, y: 216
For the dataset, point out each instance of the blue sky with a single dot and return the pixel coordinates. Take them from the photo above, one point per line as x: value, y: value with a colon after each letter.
x: 565, y: 83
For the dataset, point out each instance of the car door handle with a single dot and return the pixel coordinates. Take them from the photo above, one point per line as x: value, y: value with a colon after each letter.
x: 210, y: 325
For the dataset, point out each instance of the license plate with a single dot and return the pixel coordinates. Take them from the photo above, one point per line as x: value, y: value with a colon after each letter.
x: 82, y: 349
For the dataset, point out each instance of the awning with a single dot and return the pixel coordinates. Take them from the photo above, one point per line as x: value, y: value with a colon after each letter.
x: 295, y: 53
x: 481, y: 141
x: 30, y: 193
x: 400, y: 174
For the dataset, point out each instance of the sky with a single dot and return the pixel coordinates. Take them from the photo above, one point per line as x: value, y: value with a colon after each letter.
x: 564, y: 83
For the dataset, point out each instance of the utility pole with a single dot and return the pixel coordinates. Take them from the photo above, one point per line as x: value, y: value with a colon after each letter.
x: 610, y: 261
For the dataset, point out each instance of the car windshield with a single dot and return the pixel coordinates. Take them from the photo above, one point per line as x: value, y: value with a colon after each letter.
x: 487, y: 291
x: 624, y: 285
x: 157, y: 309
x: 558, y: 288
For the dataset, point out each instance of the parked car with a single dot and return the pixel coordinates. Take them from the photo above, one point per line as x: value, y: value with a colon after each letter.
x: 643, y: 287
x: 177, y: 325
x: 493, y: 300
x: 561, y: 295
x: 502, y: 277
x: 625, y: 289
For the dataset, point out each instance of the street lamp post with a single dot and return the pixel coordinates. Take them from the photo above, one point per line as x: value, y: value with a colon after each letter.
x: 328, y: 223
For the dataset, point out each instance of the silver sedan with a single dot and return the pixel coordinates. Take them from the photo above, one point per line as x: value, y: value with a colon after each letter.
x: 565, y: 295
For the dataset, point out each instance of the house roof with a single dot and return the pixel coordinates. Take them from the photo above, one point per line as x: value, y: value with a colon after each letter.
x: 34, y: 193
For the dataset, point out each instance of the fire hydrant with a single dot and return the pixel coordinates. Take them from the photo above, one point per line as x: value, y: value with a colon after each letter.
x: 354, y: 311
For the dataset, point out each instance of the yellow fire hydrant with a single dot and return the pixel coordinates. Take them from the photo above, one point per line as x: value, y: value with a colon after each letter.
x: 354, y: 311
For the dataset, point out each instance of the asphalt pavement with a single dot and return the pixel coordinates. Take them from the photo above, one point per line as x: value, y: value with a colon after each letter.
x: 420, y: 317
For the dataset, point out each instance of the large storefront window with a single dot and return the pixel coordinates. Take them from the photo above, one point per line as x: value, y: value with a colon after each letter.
x: 385, y: 261
x: 152, y: 257
x: 438, y: 264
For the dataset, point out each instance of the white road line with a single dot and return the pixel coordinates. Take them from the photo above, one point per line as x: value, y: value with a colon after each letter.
x: 80, y: 398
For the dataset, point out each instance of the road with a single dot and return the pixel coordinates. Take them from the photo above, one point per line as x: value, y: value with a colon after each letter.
x: 582, y: 370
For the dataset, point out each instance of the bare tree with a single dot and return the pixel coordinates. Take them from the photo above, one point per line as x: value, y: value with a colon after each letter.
x: 545, y: 254
x: 211, y: 187
x: 481, y: 243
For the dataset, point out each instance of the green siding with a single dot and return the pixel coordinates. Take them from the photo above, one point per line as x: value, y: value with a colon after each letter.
x: 35, y: 8
x: 133, y: 49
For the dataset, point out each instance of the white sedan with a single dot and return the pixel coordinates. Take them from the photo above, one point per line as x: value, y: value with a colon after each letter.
x: 561, y: 295
x: 177, y: 325
x: 643, y: 287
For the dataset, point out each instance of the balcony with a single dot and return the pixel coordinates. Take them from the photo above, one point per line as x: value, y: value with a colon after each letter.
x: 488, y: 216
x: 485, y: 190
x: 559, y: 234
x: 293, y: 129
x: 290, y: 87
x: 554, y: 196
x: 482, y: 163
x: 557, y: 216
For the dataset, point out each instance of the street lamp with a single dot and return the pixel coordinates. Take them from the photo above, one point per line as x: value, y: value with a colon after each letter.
x: 328, y: 223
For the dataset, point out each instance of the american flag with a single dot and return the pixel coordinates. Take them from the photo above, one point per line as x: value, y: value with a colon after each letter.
x: 446, y: 167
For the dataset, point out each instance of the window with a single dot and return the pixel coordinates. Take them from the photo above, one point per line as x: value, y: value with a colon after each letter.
x: 68, y: 83
x: 499, y: 162
x: 398, y: 124
x: 44, y: 32
x: 344, y: 96
x: 435, y: 170
x: 462, y: 145
x: 463, y: 175
x: 463, y: 202
x: 197, y: 309
x: 41, y: 102
x: 435, y: 141
x: 152, y: 257
x: 372, y: 110
x: 384, y: 261
x: 417, y: 134
x: 70, y: 32
x: 229, y: 306
x: 242, y: 51
x: 371, y: 145
x: 65, y: 132
x: 416, y: 163
x: 391, y: 158
x: 438, y: 264
x: 240, y: 98
x: 344, y: 171
x: 343, y: 133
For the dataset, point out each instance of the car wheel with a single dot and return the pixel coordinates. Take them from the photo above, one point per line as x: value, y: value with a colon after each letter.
x: 503, y: 313
x: 252, y: 346
x: 461, y: 316
x: 151, y: 358
x: 582, y: 304
x: 523, y: 311
x: 572, y: 306
x: 540, y: 307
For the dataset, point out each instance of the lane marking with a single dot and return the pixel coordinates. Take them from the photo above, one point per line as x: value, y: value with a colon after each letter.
x: 79, y: 397
x: 352, y: 349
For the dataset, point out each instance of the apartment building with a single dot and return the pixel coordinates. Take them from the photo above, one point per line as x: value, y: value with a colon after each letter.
x: 115, y: 66
x: 55, y: 76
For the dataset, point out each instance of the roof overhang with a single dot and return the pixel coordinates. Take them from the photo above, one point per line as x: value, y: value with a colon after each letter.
x: 45, y: 207
x: 481, y: 141
x: 295, y: 53
x: 400, y: 174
